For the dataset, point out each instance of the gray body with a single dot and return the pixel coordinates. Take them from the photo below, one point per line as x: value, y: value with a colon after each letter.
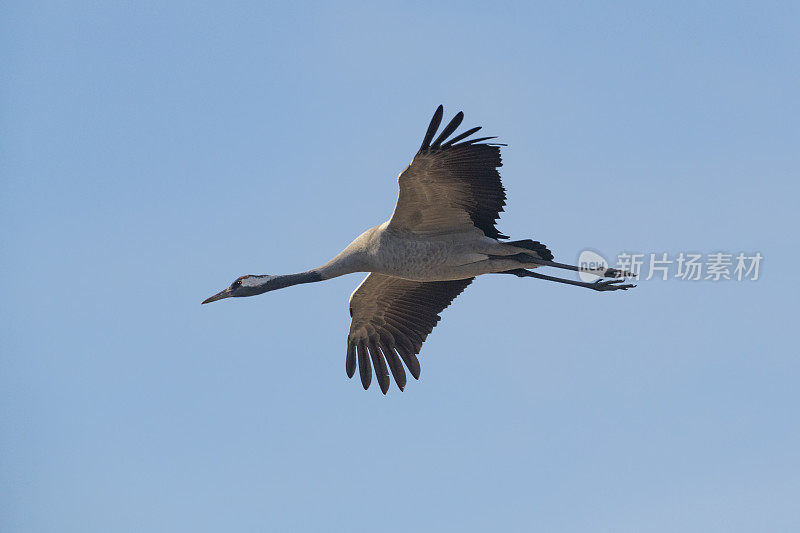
x: 406, y: 255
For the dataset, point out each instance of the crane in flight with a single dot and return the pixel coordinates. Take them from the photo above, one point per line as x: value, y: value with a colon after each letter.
x: 441, y: 235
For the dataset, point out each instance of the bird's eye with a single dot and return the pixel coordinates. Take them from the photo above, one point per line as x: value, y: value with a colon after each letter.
x: 237, y: 283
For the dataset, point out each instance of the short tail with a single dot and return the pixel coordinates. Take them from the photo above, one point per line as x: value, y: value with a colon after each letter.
x: 541, y: 250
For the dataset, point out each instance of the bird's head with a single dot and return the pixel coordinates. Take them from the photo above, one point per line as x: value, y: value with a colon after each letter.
x: 244, y: 286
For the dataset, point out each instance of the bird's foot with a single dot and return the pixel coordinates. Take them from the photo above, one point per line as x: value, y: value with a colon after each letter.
x: 610, y: 285
x: 616, y: 273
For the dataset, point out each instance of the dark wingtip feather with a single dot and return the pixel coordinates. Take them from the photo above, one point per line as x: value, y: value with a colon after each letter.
x: 395, y: 365
x: 432, y: 127
x: 411, y: 361
x: 479, y: 139
x: 415, y: 369
x: 461, y: 136
x: 350, y: 363
x: 450, y: 128
x: 364, y: 366
x: 381, y: 372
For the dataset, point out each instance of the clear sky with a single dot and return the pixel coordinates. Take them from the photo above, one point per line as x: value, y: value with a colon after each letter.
x: 154, y: 151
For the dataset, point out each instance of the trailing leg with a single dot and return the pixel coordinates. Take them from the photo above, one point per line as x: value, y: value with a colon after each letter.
x: 603, y: 272
x: 543, y: 256
x: 599, y: 285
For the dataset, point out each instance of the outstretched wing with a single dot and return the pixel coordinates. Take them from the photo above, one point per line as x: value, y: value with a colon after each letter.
x: 451, y: 186
x: 391, y: 317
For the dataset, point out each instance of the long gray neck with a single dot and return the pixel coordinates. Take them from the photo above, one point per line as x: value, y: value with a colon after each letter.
x: 358, y: 256
x: 346, y: 262
x: 287, y: 280
x: 272, y: 283
x: 349, y: 260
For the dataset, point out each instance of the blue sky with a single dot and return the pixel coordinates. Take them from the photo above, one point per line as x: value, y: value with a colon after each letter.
x: 153, y: 152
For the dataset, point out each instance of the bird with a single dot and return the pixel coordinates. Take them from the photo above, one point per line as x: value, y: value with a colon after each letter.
x: 441, y: 236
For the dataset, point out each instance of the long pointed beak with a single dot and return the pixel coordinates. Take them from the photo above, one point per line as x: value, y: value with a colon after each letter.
x: 219, y: 296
